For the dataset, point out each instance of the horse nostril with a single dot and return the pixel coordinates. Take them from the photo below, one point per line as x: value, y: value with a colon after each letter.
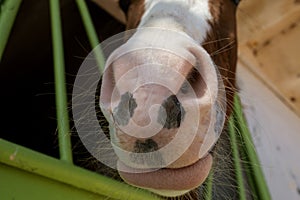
x: 124, y: 111
x: 146, y: 153
x: 144, y: 147
x: 174, y: 111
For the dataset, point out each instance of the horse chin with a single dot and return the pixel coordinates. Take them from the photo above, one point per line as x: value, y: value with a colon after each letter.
x: 168, y: 182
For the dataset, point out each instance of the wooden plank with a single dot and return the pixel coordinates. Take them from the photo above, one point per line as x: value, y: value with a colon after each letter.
x: 275, y: 131
x: 258, y: 15
x: 271, y: 50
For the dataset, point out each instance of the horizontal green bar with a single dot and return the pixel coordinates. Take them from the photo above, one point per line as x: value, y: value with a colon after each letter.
x: 8, y: 13
x: 37, y: 163
x: 60, y: 84
x: 19, y: 184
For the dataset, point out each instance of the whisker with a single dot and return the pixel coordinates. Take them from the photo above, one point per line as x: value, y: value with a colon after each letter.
x: 81, y: 45
x: 225, y: 48
x: 215, y: 41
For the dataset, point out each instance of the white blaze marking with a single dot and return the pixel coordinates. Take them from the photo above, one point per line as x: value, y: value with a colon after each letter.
x: 190, y: 16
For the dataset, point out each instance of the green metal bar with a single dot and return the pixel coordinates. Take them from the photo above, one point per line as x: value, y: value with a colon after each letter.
x: 37, y: 163
x: 260, y: 182
x: 8, y: 13
x: 38, y: 187
x: 60, y: 85
x: 208, y: 186
x: 236, y: 159
x: 91, y: 33
x: 246, y: 165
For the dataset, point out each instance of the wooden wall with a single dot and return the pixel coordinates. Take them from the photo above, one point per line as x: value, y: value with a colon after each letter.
x: 269, y: 45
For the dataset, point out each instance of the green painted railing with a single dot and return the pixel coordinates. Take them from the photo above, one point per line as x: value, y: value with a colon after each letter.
x: 236, y: 159
x: 51, y: 178
x: 8, y: 13
x: 64, y: 138
x: 255, y: 173
x: 34, y: 162
x: 91, y: 32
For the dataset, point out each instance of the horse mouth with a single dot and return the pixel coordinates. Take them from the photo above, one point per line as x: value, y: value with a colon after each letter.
x: 167, y: 181
x: 164, y: 152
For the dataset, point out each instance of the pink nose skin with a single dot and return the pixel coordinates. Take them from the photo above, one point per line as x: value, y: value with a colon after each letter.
x: 161, y: 114
x: 145, y: 107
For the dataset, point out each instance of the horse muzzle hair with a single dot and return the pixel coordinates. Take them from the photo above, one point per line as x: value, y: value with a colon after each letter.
x: 165, y: 92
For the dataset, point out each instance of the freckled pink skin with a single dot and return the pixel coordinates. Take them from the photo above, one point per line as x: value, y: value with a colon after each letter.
x: 187, y: 172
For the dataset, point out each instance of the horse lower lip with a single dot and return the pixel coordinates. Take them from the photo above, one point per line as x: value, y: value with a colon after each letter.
x: 185, y: 178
